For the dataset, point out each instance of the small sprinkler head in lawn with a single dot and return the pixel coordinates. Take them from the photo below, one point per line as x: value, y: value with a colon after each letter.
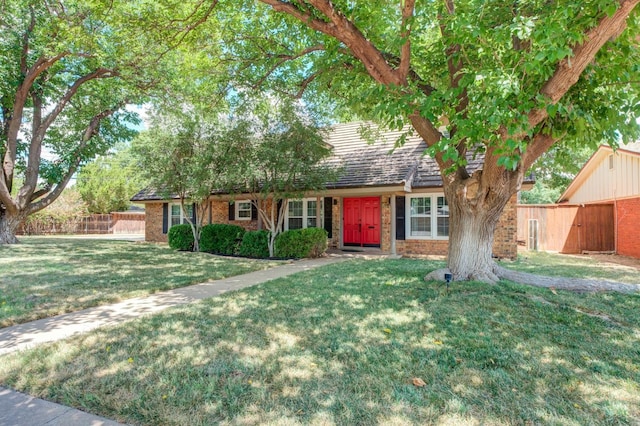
x: 448, y: 277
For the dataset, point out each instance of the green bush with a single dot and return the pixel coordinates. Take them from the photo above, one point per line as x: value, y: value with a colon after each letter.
x: 300, y: 243
x: 255, y: 244
x: 181, y: 237
x: 220, y: 238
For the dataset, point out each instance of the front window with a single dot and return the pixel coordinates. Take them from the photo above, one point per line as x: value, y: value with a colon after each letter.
x: 420, y: 217
x: 177, y: 216
x: 243, y: 210
x: 304, y: 214
x: 312, y: 212
x: 428, y: 217
x: 442, y: 217
x: 295, y: 212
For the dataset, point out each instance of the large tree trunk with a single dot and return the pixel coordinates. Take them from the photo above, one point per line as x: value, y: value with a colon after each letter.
x: 475, y: 207
x: 471, y: 243
x: 476, y: 203
x: 8, y: 227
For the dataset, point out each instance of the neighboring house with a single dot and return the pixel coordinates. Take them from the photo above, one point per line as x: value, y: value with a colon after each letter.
x: 385, y: 198
x: 598, y: 212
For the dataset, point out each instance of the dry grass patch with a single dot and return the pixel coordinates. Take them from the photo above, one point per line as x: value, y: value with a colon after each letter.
x: 42, y: 277
x: 343, y: 344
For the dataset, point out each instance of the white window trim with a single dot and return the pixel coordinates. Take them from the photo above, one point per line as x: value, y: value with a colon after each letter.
x: 237, y: 209
x: 319, y: 220
x: 183, y: 219
x: 434, y: 217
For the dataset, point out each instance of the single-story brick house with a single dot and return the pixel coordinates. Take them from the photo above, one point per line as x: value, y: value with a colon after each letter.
x: 388, y: 199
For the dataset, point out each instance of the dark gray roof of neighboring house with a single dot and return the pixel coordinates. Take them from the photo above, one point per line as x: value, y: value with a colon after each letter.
x: 367, y: 164
x: 148, y: 194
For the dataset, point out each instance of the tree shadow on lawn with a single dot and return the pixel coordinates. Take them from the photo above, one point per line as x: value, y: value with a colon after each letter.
x: 341, y: 345
x: 46, y: 276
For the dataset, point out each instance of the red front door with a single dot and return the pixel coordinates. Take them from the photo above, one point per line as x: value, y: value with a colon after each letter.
x: 361, y: 221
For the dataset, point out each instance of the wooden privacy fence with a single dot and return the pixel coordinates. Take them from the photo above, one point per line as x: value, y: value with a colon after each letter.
x: 567, y: 228
x: 114, y: 223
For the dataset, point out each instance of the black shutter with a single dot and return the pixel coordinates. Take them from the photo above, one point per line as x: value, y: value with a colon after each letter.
x: 193, y: 213
x: 232, y: 211
x: 165, y: 218
x: 254, y: 212
x: 400, y: 218
x: 328, y: 215
x: 210, y: 211
x: 278, y: 207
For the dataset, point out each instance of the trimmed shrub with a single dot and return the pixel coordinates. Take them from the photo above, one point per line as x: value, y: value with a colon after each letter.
x: 220, y: 238
x: 301, y: 243
x: 255, y: 244
x: 181, y: 237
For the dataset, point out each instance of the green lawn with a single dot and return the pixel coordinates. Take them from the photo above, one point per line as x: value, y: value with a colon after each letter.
x: 42, y: 277
x: 577, y: 266
x: 342, y: 344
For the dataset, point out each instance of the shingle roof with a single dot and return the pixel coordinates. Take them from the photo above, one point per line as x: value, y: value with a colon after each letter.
x: 366, y: 164
x: 379, y: 164
x: 150, y: 194
x: 373, y: 164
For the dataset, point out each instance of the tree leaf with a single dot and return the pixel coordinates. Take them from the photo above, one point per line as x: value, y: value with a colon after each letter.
x: 418, y: 382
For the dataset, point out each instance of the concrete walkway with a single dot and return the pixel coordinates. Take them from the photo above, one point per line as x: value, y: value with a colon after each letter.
x: 20, y: 409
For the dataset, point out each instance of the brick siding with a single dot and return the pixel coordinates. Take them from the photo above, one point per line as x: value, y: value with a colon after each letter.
x: 153, y: 223
x: 504, y: 245
x: 220, y: 214
x: 504, y: 239
x: 628, y: 218
x: 385, y: 225
x: 334, y: 242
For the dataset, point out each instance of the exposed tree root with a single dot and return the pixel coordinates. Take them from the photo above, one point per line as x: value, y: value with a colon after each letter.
x: 560, y: 283
x: 437, y: 275
x: 563, y: 283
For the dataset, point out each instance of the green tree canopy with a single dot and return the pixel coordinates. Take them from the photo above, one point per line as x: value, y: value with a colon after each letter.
x: 501, y: 80
x: 285, y: 157
x: 67, y: 69
x: 108, y: 183
x: 187, y: 154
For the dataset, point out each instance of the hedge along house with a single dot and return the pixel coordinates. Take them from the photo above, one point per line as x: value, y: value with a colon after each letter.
x: 386, y: 198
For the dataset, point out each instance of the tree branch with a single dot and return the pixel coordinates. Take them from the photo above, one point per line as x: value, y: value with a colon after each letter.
x: 25, y: 42
x: 186, y: 30
x: 405, y: 34
x: 538, y: 146
x: 339, y: 27
x: 304, y: 17
x: 22, y: 94
x: 569, y: 70
x: 427, y: 131
x: 40, y: 193
x: 99, y: 73
x: 304, y: 83
x: 286, y: 58
x: 90, y: 131
x: 35, y: 147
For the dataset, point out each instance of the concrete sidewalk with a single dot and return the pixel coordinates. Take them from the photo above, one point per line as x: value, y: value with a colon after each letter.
x: 20, y: 409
